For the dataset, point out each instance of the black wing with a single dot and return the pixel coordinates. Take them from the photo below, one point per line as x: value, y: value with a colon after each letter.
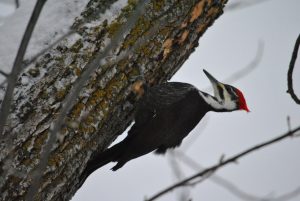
x: 158, y: 98
x: 165, y: 115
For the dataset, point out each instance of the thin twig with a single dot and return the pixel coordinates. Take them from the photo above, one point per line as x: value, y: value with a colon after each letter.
x: 74, y: 92
x: 223, y: 163
x: 290, y: 72
x: 201, y: 179
x: 17, y: 66
x: 235, y: 190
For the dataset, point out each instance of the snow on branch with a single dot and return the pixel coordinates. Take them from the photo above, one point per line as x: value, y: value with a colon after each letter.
x: 74, y: 92
x: 290, y: 71
x: 207, y: 172
x: 28, y: 62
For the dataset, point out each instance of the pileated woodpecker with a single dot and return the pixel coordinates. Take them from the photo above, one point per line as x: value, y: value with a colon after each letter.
x: 165, y: 115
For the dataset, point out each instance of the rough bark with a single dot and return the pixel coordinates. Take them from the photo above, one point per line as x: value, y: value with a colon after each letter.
x: 104, y: 108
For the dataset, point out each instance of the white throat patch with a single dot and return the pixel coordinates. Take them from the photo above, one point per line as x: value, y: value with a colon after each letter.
x: 226, y: 104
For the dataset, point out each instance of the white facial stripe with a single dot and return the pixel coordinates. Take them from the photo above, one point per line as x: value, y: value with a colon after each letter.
x: 226, y: 104
x: 211, y: 101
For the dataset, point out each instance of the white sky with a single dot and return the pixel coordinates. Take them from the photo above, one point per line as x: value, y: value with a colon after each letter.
x: 227, y: 46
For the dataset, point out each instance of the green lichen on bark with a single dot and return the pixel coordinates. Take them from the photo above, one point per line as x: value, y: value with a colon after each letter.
x: 103, y: 109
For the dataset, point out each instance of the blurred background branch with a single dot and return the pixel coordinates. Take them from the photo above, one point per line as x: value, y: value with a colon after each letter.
x: 233, y: 159
x: 246, y: 70
x: 290, y: 71
x: 231, y: 187
x: 241, y: 4
x: 17, y: 3
x: 178, y: 173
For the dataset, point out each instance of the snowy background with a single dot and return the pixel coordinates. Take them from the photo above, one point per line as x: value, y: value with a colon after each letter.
x: 229, y: 45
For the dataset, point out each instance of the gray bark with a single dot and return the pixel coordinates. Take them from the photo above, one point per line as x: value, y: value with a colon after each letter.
x: 104, y: 108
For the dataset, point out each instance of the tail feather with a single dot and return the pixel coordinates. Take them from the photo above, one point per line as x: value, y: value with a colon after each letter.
x: 101, y: 159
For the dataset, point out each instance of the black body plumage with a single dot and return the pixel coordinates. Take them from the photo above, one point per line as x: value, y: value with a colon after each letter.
x: 164, y: 116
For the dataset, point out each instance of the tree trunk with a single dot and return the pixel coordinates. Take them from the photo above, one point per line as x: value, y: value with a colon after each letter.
x: 163, y: 37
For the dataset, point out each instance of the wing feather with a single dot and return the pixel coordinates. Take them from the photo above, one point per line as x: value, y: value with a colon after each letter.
x: 159, y: 98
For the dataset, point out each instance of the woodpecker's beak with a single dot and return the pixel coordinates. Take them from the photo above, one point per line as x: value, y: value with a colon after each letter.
x: 210, y: 77
x: 215, y: 84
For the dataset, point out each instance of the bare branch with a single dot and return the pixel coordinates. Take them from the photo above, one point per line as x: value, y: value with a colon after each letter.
x: 201, y: 179
x: 234, y: 189
x: 17, y: 66
x: 290, y: 72
x: 74, y: 92
x: 224, y: 162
